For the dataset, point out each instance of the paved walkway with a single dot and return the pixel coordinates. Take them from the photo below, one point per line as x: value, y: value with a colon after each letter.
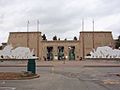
x: 86, y: 63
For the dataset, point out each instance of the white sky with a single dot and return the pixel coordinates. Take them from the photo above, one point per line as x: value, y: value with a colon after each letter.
x: 59, y: 17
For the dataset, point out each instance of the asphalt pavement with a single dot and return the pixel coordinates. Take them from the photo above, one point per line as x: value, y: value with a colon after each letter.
x: 65, y: 78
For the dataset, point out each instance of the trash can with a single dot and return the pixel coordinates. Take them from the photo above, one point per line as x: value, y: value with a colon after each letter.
x: 31, y: 66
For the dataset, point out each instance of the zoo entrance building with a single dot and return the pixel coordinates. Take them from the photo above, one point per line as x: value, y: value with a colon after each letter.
x: 61, y: 49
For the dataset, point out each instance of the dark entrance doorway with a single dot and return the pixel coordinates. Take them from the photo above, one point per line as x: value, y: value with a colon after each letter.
x: 71, y: 52
x: 60, y: 53
x: 49, y: 53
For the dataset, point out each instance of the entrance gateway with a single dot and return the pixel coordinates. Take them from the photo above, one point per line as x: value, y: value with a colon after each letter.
x: 49, y: 53
x: 60, y: 53
x: 59, y: 49
x: 72, y: 53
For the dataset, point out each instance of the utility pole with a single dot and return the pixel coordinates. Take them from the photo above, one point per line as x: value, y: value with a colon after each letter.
x: 93, y: 35
x: 38, y: 38
x: 83, y: 38
x: 28, y: 34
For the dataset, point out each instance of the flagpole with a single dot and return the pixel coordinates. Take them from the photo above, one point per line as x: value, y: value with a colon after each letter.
x: 37, y: 38
x: 83, y: 37
x: 28, y: 34
x: 93, y: 34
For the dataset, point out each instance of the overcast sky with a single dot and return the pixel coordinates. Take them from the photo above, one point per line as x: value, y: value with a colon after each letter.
x: 59, y: 17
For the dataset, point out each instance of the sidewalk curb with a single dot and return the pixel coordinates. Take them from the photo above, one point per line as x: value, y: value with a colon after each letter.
x: 62, y: 65
x: 101, y: 65
x: 25, y: 66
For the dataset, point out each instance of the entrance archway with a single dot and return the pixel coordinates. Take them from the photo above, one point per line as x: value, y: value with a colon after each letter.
x: 60, y: 52
x: 49, y: 53
x: 71, y: 52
